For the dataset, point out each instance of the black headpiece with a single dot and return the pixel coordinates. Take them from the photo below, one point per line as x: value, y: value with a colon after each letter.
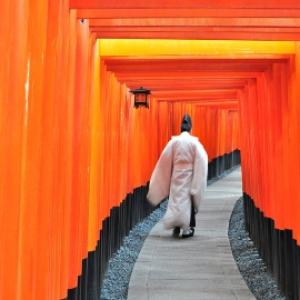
x: 186, y: 124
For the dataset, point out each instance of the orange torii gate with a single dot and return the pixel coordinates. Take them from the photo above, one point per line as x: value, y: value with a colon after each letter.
x: 72, y: 145
x: 239, y: 19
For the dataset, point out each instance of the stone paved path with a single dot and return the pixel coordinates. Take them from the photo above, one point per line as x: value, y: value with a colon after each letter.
x: 200, y: 268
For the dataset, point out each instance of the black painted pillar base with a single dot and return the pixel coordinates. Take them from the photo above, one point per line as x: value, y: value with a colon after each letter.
x: 121, y: 220
x: 223, y: 163
x: 277, y: 247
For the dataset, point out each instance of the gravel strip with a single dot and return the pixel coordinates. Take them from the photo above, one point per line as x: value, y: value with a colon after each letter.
x: 251, y: 266
x: 117, y: 277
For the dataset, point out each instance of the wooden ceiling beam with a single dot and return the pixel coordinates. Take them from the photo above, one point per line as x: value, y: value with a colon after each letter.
x: 190, y: 22
x: 179, y: 4
x: 209, y: 35
x: 204, y: 93
x: 209, y: 75
x: 196, y: 29
x: 185, y: 85
x: 219, y: 66
x: 186, y: 13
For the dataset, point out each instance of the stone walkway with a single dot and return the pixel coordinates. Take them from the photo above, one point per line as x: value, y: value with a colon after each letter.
x: 200, y: 268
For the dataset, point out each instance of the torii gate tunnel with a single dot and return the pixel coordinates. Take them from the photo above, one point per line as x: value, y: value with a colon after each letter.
x: 76, y: 156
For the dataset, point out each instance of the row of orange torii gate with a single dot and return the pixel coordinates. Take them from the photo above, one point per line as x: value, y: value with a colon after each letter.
x: 75, y: 154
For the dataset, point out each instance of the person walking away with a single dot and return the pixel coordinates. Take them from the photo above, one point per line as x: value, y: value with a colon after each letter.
x: 181, y: 174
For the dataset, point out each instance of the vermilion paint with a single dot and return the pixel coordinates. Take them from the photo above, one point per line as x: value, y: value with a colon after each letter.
x: 72, y: 146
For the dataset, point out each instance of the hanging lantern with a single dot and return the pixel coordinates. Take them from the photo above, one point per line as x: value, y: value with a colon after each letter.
x: 140, y: 97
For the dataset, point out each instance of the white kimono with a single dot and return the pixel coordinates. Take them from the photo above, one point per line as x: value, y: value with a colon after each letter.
x: 181, y: 172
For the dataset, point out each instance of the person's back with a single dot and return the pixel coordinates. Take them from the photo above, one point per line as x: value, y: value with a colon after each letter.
x: 184, y: 148
x: 181, y: 173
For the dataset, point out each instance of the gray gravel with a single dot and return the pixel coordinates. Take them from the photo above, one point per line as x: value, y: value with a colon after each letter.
x: 117, y: 277
x: 251, y: 266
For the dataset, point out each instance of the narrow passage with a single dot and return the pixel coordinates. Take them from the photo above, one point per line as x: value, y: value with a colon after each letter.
x: 198, y: 268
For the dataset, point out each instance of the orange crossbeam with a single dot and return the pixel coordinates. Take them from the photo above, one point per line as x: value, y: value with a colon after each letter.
x: 215, y: 4
x: 124, y: 13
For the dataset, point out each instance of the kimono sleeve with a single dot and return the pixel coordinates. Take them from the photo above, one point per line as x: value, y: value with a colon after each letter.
x: 160, y: 181
x: 199, y: 181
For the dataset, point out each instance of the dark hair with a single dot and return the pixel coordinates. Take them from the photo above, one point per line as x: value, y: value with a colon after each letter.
x: 186, y: 123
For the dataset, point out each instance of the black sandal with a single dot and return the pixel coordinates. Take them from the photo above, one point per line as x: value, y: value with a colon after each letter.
x: 189, y: 234
x: 176, y: 232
